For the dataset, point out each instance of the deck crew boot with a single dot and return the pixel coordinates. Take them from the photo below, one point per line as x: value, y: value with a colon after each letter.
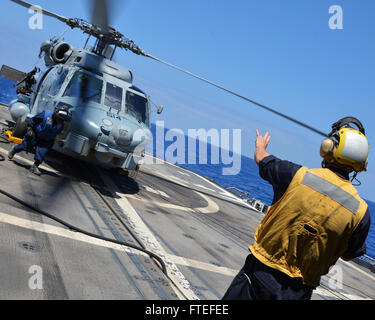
x: 35, y: 170
x: 11, y: 153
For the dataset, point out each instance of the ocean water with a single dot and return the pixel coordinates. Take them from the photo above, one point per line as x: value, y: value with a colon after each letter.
x: 7, y: 91
x: 247, y: 179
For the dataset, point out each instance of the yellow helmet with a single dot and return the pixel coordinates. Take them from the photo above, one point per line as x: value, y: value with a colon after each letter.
x: 346, y: 146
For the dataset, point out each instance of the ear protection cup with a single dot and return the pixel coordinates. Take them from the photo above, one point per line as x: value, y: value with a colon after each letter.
x: 327, y: 148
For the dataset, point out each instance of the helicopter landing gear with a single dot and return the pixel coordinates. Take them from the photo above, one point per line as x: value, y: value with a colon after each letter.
x: 129, y: 173
x: 19, y: 129
x: 133, y: 174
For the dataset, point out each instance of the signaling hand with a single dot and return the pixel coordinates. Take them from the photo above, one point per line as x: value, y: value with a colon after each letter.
x: 261, y: 145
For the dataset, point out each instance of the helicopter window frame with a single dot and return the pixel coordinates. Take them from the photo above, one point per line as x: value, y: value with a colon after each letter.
x: 43, y: 99
x: 91, y: 75
x: 122, y: 106
x: 148, y: 120
x: 60, y: 71
x: 37, y: 96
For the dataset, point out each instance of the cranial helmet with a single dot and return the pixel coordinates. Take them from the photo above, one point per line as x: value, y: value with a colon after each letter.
x: 346, y: 146
x: 62, y: 112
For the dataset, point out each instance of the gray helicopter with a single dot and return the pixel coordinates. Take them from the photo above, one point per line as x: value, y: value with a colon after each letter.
x: 109, y: 117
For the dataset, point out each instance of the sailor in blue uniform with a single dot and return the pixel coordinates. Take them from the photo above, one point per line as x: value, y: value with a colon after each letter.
x: 41, y: 134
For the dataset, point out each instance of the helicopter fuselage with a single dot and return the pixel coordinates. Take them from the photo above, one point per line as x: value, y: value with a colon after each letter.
x: 110, y: 118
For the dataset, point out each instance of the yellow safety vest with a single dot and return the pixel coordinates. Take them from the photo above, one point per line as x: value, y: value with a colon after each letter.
x: 308, y: 229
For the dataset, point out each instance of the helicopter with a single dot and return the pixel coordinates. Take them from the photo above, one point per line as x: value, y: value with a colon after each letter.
x: 110, y: 117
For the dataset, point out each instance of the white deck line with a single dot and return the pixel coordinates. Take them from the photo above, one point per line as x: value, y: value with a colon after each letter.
x: 150, y: 241
x: 76, y: 236
x: 222, y: 189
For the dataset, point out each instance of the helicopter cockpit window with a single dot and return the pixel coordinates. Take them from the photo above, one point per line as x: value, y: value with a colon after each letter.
x: 86, y: 87
x: 113, y: 97
x: 57, y: 84
x: 137, y: 106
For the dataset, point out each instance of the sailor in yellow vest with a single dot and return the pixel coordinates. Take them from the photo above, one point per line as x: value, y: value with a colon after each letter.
x: 316, y: 218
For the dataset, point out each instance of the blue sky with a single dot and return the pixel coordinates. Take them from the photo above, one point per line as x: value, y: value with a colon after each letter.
x: 281, y: 53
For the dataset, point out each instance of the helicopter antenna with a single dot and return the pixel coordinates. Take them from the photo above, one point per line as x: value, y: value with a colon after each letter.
x: 60, y: 36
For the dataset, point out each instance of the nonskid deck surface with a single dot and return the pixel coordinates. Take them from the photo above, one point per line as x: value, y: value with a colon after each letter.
x: 199, y: 229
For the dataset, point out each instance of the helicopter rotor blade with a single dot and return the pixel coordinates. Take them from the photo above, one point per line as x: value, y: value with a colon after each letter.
x: 237, y: 95
x: 100, y: 19
x: 100, y: 15
x: 44, y: 12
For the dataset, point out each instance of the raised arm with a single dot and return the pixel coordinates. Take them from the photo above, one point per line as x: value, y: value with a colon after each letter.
x: 261, y: 145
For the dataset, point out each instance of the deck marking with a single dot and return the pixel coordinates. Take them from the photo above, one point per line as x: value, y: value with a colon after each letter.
x: 353, y: 296
x: 169, y: 205
x: 183, y: 173
x: 222, y: 191
x: 323, y: 292
x: 203, y: 187
x: 50, y: 229
x: 358, y: 269
x: 203, y: 178
x: 156, y: 191
x: 149, y: 240
x: 337, y: 293
x: 18, y: 157
x: 58, y: 231
x: 211, y: 207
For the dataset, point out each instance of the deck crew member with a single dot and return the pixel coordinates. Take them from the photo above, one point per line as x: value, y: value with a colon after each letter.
x: 29, y: 81
x: 41, y: 133
x: 316, y: 218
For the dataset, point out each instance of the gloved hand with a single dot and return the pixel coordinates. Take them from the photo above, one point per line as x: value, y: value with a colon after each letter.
x: 30, y: 132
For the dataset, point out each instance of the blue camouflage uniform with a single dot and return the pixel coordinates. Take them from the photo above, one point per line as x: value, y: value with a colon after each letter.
x: 46, y: 130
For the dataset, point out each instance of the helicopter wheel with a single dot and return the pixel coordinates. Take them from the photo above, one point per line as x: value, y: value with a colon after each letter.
x: 134, y: 173
x: 20, y: 129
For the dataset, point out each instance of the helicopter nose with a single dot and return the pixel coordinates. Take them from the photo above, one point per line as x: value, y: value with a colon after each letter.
x: 85, y: 124
x: 122, y: 135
